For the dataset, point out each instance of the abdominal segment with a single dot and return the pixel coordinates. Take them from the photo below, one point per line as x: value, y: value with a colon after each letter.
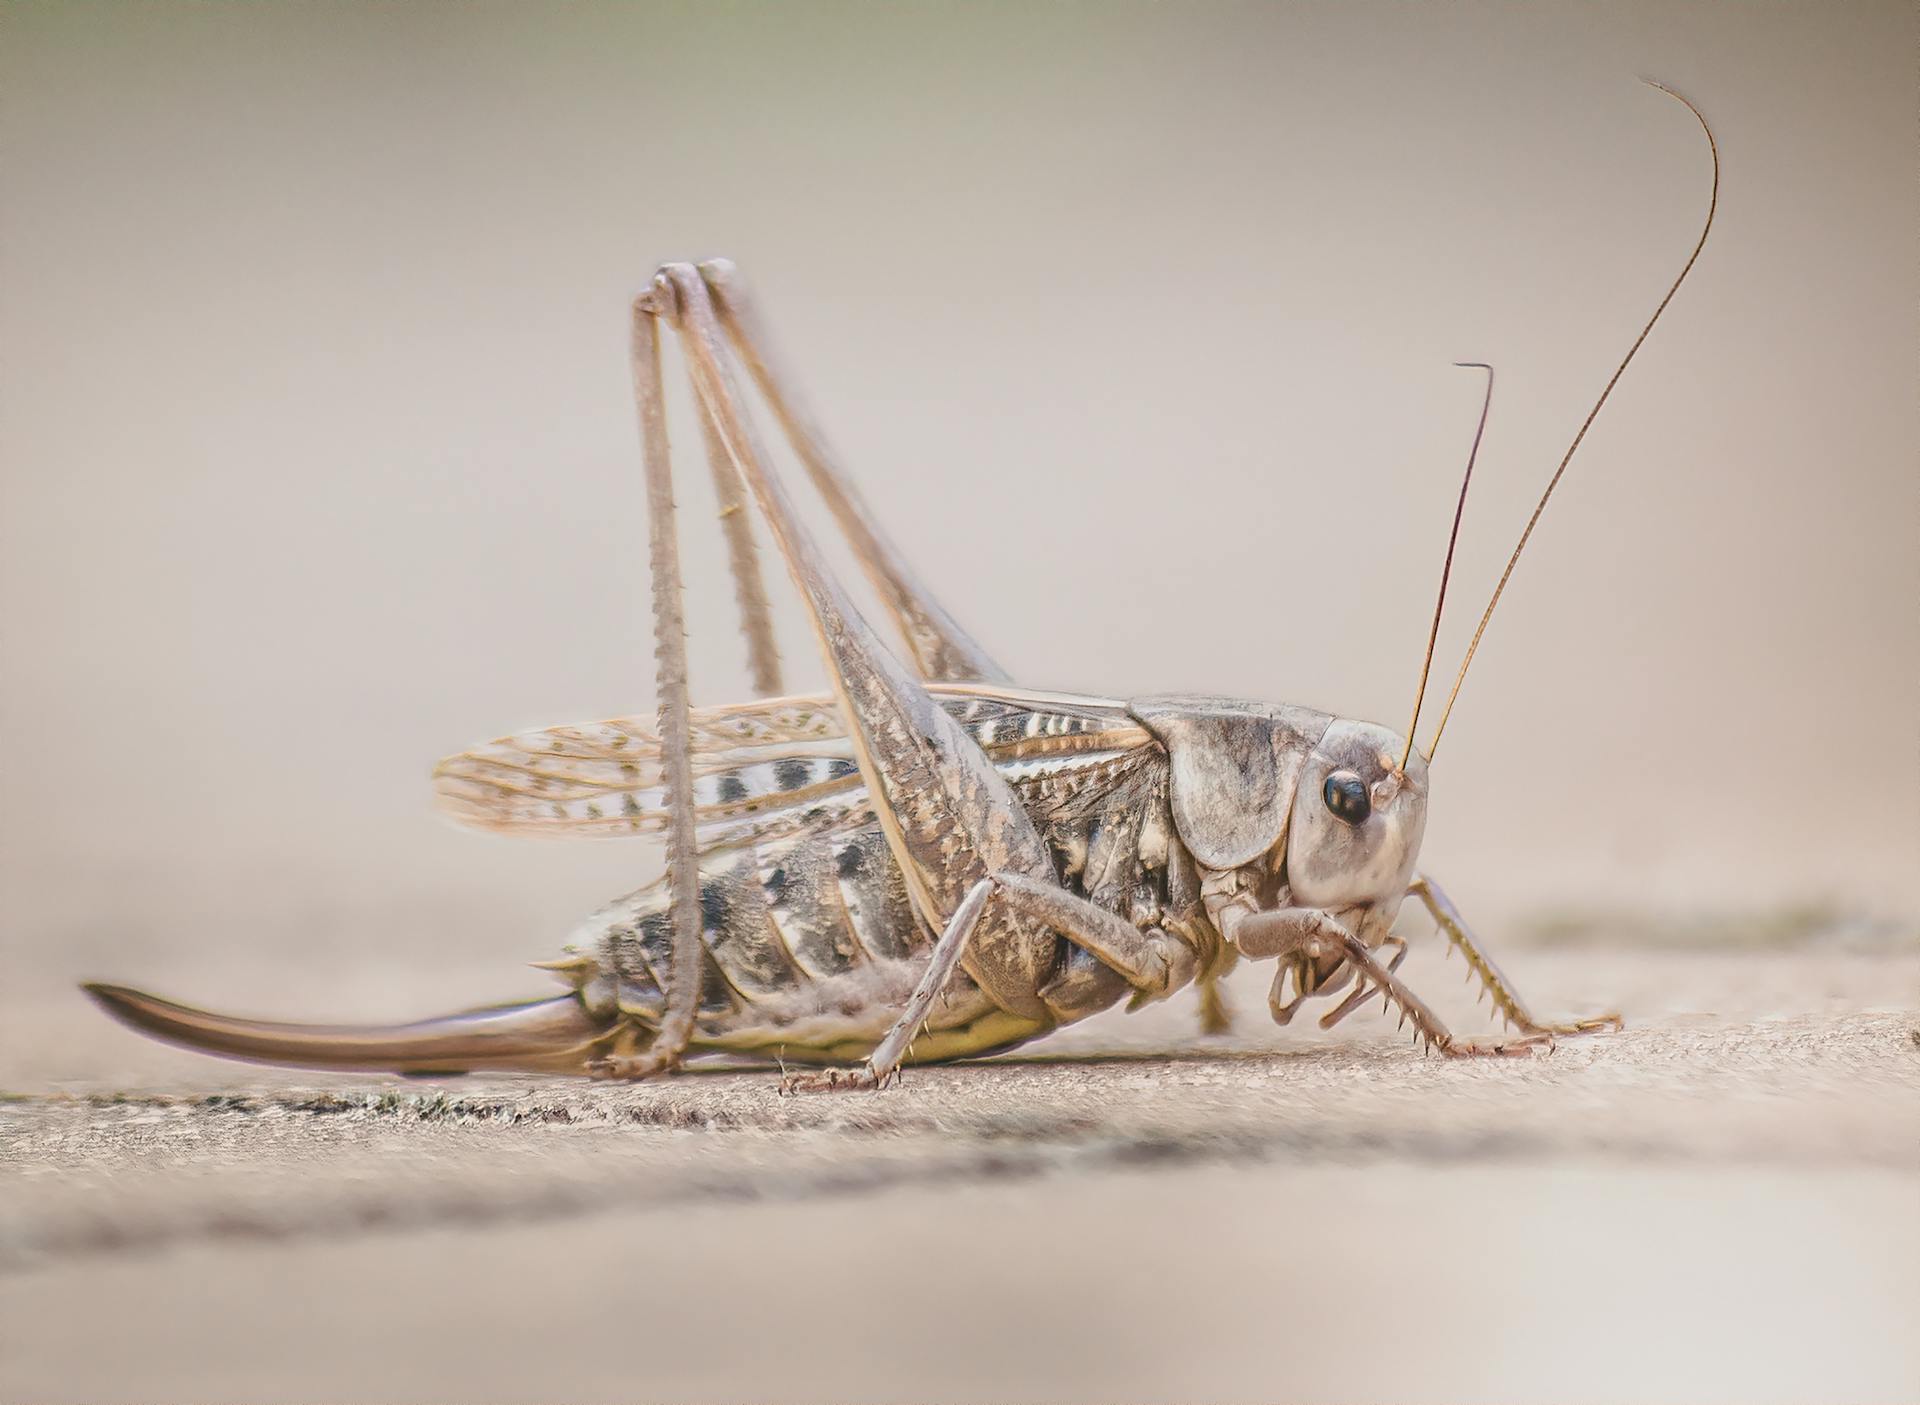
x: 812, y: 946
x: 811, y: 950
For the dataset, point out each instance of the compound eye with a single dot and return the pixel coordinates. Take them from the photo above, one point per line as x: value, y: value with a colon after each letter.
x: 1347, y: 797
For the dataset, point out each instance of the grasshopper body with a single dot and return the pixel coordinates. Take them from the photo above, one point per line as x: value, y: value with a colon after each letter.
x: 811, y: 941
x: 930, y: 863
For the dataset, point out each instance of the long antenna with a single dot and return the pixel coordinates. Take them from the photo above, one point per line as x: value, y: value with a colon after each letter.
x: 1446, y: 568
x: 1713, y: 203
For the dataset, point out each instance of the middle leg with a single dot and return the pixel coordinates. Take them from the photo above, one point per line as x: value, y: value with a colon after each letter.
x: 1314, y: 934
x: 1152, y: 962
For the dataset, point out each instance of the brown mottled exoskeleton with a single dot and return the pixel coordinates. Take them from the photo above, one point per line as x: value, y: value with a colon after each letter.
x: 931, y: 862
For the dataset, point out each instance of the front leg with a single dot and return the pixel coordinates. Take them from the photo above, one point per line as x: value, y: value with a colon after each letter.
x: 1505, y: 999
x: 1314, y: 934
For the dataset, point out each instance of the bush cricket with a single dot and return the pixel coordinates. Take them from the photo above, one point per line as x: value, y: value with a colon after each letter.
x: 931, y: 862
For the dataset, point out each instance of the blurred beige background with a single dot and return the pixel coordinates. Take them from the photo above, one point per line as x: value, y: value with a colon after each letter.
x: 1134, y: 322
x: 317, y: 461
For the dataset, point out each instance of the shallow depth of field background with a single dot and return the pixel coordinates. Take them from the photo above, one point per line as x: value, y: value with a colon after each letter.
x: 1133, y: 322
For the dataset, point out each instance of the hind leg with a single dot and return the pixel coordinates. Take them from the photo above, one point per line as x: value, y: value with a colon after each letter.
x: 940, y: 648
x: 675, y: 1029
x: 949, y: 816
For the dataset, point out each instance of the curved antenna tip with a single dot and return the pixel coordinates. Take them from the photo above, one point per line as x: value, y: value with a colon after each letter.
x: 1687, y: 103
x: 1706, y: 228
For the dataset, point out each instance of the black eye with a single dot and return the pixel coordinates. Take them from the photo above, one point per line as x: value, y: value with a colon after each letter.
x: 1347, y: 797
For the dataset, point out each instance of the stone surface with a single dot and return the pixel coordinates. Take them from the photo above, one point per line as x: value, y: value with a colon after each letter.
x: 1708, y: 1206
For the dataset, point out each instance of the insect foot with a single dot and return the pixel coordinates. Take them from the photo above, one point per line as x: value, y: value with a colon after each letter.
x: 1610, y: 1023
x: 1523, y: 1047
x: 837, y: 1080
x: 631, y: 1068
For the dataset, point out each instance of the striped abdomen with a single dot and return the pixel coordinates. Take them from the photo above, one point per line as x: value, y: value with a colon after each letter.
x: 812, y: 945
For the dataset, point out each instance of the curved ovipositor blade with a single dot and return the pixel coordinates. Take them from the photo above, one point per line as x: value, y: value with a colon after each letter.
x: 548, y: 1035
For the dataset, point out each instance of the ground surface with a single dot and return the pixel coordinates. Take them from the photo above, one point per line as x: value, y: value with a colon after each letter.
x: 1722, y: 1203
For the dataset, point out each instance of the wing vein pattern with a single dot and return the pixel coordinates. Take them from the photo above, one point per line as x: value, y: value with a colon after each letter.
x: 775, y: 768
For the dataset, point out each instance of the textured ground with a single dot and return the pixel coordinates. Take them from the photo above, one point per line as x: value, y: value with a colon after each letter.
x: 1721, y: 1203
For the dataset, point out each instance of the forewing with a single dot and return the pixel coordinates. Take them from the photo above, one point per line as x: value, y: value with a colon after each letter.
x: 779, y: 767
x: 605, y: 779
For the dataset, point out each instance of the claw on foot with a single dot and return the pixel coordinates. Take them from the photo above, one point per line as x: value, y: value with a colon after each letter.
x: 1523, y: 1047
x: 1610, y: 1023
x: 630, y: 1068
x: 836, y: 1080
x: 1599, y: 1024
